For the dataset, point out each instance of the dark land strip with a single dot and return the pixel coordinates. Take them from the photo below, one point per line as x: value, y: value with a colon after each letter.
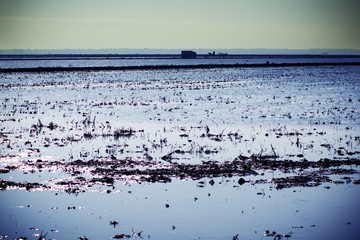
x: 165, y: 67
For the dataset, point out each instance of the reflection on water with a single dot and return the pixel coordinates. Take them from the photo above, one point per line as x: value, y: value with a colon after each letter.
x: 218, y: 211
x: 76, y: 144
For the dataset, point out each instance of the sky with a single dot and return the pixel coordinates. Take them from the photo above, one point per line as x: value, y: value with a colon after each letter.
x: 170, y: 24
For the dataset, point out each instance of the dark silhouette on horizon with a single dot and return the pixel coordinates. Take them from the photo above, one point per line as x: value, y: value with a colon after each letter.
x: 188, y: 54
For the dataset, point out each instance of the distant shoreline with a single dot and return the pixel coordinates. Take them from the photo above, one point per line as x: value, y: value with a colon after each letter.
x: 133, y: 51
x: 162, y: 56
x: 164, y: 67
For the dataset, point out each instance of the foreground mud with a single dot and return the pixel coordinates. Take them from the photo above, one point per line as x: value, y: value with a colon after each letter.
x: 108, y: 171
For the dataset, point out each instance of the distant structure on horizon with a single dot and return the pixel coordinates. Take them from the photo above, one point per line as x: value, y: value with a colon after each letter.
x: 188, y: 54
x: 218, y: 55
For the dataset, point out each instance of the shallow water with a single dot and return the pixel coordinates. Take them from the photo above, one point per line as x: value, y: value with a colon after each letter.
x: 220, y: 212
x: 310, y: 111
x: 54, y: 124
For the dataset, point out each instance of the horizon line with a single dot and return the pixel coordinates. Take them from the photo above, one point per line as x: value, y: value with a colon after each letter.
x: 145, y: 48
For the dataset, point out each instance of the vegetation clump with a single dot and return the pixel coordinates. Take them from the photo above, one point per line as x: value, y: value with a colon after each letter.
x: 122, y: 132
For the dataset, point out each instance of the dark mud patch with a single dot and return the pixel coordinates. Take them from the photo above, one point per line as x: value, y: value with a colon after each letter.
x: 22, y: 185
x: 106, y: 171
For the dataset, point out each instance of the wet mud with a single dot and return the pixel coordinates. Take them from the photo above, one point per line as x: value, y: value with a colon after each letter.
x: 106, y: 171
x: 204, y: 124
x: 80, y: 131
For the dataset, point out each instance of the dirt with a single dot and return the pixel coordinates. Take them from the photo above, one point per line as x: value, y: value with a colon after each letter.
x: 106, y: 171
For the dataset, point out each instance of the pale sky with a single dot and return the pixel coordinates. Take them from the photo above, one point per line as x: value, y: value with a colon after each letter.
x: 279, y: 24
